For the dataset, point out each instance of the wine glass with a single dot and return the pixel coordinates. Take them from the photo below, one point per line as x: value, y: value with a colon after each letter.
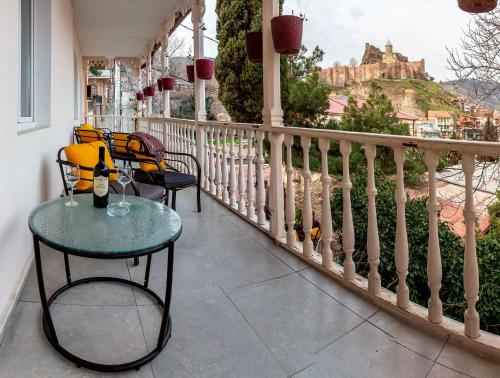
x: 124, y: 178
x: 72, y: 176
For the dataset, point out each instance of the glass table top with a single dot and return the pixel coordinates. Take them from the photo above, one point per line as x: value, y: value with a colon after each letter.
x: 88, y: 230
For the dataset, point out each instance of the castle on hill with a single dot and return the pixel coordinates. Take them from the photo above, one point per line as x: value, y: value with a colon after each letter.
x: 375, y: 64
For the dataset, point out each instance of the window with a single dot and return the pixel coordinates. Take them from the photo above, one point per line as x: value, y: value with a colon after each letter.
x: 27, y: 52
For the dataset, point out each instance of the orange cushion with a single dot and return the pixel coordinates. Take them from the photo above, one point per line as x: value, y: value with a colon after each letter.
x: 87, y: 155
x: 87, y: 134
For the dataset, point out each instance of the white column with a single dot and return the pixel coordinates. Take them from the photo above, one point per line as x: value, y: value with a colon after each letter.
x: 273, y: 116
x: 471, y: 270
x: 165, y: 95
x: 149, y: 82
x: 140, y: 104
x: 200, y: 113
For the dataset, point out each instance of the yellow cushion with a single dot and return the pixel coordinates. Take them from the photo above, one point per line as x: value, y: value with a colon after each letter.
x: 120, y: 142
x: 88, y: 134
x: 87, y: 155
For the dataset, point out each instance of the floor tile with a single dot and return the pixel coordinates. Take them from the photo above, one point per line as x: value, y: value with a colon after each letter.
x: 466, y: 362
x: 186, y: 205
x: 209, y: 339
x: 293, y: 318
x: 26, y: 353
x: 440, y: 371
x: 349, y: 299
x: 412, y: 338
x: 296, y: 263
x: 367, y: 352
x: 199, y: 273
x: 208, y: 231
x: 87, y: 294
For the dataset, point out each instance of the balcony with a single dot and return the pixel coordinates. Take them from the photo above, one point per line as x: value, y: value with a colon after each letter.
x: 249, y: 298
x: 242, y: 306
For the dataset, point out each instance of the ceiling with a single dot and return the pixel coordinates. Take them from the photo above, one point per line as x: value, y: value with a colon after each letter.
x: 119, y: 28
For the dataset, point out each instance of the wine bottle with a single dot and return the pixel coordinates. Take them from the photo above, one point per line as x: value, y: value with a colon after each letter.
x: 101, y: 181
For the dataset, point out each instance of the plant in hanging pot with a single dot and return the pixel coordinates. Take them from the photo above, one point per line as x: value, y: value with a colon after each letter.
x: 477, y: 6
x: 168, y: 83
x: 139, y: 96
x: 149, y: 91
x: 205, y: 68
x: 190, y: 69
x: 287, y: 33
x: 159, y: 83
x: 253, y: 43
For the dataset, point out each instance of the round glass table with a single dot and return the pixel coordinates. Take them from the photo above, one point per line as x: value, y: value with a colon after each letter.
x: 90, y: 232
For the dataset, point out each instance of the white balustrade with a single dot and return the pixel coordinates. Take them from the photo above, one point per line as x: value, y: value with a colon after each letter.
x: 307, y: 207
x: 241, y: 173
x: 225, y: 178
x: 212, y: 160
x: 373, y: 244
x: 261, y: 190
x: 401, y: 242
x: 218, y: 167
x: 347, y: 223
x: 326, y: 211
x: 290, y: 193
x: 250, y: 177
x: 233, y: 189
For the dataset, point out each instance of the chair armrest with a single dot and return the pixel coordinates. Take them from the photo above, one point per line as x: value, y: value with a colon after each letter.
x: 197, y: 163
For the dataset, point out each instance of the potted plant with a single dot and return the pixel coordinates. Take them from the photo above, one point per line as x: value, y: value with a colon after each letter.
x: 477, y: 6
x: 253, y: 43
x: 160, y: 86
x: 205, y: 68
x: 168, y: 83
x: 149, y: 91
x: 287, y: 33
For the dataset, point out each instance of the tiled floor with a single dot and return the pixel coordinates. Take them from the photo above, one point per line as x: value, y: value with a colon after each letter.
x: 242, y: 307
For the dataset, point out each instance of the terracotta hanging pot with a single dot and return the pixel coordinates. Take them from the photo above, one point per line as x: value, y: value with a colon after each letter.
x: 253, y: 43
x: 160, y: 86
x: 190, y: 73
x: 149, y: 91
x: 139, y: 96
x: 168, y: 83
x: 205, y: 69
x: 287, y: 34
x: 477, y: 6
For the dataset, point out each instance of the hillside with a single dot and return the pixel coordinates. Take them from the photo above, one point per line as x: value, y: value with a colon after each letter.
x: 410, y: 96
x: 474, y: 91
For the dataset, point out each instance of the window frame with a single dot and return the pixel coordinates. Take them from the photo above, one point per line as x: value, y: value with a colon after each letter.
x: 27, y: 122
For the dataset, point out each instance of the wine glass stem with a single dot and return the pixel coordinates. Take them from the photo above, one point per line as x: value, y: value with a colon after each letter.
x: 71, y: 195
x: 123, y: 200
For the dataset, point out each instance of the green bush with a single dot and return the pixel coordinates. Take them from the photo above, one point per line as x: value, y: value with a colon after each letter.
x: 417, y: 223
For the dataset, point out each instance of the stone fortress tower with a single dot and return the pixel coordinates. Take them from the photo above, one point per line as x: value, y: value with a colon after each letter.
x: 375, y: 64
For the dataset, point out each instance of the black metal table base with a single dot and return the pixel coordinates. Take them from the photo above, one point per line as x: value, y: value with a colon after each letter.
x: 48, y: 325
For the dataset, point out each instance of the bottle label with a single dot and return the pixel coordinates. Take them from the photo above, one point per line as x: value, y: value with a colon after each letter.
x: 101, y: 186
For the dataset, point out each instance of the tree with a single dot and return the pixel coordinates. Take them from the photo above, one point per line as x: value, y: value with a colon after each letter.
x: 307, y: 100
x: 353, y: 62
x: 337, y: 63
x: 480, y: 56
x: 490, y: 132
x: 240, y: 82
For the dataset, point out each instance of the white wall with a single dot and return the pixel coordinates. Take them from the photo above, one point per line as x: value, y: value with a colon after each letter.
x: 28, y: 171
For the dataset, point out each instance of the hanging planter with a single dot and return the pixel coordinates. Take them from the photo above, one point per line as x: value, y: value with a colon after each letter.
x: 287, y: 34
x: 149, y: 91
x: 139, y: 96
x: 190, y: 72
x: 168, y: 83
x: 477, y: 6
x: 253, y: 43
x: 160, y: 86
x: 205, y: 69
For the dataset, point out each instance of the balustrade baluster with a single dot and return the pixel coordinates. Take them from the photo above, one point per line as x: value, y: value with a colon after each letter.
x: 241, y: 174
x: 290, y: 194
x: 471, y: 271
x: 401, y: 243
x: 233, y: 193
x: 207, y: 158
x: 250, y: 177
x: 212, y: 160
x: 192, y: 142
x: 434, y: 269
x: 347, y: 223
x: 306, y: 206
x: 374, y: 282
x: 225, y: 179
x: 326, y: 216
x: 261, y: 190
x: 218, y: 168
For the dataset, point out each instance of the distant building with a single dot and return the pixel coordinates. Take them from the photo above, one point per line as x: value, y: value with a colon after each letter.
x: 444, y: 121
x: 375, y: 65
x: 427, y: 128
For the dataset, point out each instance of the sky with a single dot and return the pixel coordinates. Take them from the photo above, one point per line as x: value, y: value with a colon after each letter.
x: 419, y: 29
